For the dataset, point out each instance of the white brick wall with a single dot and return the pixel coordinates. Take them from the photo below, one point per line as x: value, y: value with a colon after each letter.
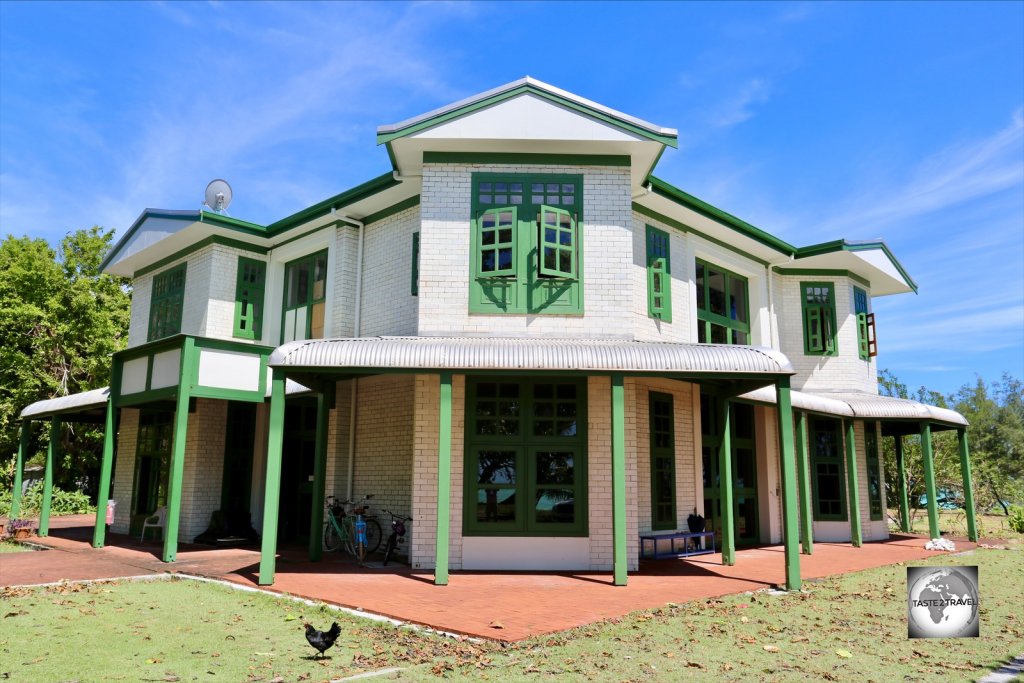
x: 124, y: 473
x: 845, y: 371
x: 389, y: 308
x: 204, y: 467
x: 444, y: 256
x: 346, y: 248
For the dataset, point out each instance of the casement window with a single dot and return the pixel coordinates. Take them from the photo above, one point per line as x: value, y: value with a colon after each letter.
x: 659, y: 275
x: 166, y: 303
x: 663, y: 458
x: 249, y: 291
x: 723, y: 309
x: 305, y: 298
x: 525, y: 458
x: 874, y: 474
x: 415, y: 287
x: 866, y: 346
x: 819, y: 312
x: 827, y: 469
x: 526, y: 244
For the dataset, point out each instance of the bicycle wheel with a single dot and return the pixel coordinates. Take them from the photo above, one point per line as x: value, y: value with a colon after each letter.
x: 374, y: 536
x: 332, y: 541
x: 349, y: 541
x: 389, y: 547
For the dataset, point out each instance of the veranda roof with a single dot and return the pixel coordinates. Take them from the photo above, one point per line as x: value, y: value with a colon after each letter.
x: 531, y: 354
x: 864, y: 406
x: 88, y: 406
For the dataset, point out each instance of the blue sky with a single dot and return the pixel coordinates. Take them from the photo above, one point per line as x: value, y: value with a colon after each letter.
x: 812, y: 121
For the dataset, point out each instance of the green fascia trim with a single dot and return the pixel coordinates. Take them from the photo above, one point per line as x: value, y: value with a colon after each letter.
x: 229, y: 222
x: 823, y: 272
x: 201, y: 244
x: 392, y: 210
x: 669, y: 191
x: 184, y: 216
x: 843, y: 245
x: 669, y: 140
x: 223, y: 394
x: 323, y: 208
x: 672, y: 222
x: 128, y: 400
x: 523, y: 158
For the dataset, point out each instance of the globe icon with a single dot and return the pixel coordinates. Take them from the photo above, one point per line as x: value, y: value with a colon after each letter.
x: 943, y: 603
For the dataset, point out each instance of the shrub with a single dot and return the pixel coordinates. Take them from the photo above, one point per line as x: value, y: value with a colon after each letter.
x: 62, y: 503
x: 1016, y: 519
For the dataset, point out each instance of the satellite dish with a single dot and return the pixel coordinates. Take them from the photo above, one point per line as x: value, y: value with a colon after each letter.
x: 218, y: 195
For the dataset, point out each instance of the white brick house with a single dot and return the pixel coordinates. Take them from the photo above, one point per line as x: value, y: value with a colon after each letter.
x: 520, y: 337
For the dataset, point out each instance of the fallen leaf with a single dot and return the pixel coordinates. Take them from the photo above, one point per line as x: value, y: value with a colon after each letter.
x: 770, y: 648
x: 290, y: 617
x: 496, y: 624
x: 845, y: 654
x: 744, y: 620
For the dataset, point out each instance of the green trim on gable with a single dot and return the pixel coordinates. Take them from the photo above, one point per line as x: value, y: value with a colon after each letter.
x: 525, y: 158
x: 843, y: 245
x: 823, y: 272
x: 201, y: 244
x: 323, y: 208
x: 664, y: 189
x: 392, y: 210
x: 527, y: 88
x: 229, y: 222
x: 672, y: 222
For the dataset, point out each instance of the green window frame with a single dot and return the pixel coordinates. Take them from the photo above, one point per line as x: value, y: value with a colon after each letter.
x: 818, y: 303
x: 526, y: 244
x: 874, y: 473
x: 826, y: 440
x: 249, y: 291
x: 525, y: 457
x: 659, y: 275
x: 167, y: 303
x: 723, y: 305
x: 866, y: 347
x: 415, y: 286
x: 303, y: 315
x: 663, y: 461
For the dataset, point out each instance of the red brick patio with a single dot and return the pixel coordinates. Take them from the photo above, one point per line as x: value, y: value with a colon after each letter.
x: 524, y: 604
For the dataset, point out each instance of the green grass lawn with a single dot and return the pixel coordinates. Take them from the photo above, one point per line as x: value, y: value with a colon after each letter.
x: 850, y: 627
x: 12, y: 547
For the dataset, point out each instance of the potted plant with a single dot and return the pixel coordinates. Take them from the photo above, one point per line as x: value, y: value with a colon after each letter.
x: 21, y: 528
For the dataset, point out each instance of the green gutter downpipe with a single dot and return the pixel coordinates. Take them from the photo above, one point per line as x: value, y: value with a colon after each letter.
x: 444, y: 481
x: 929, y: 480
x: 99, y: 533
x: 19, y: 468
x: 52, y: 453
x: 324, y: 402
x: 789, y: 492
x: 725, y: 485
x: 901, y: 469
x: 803, y: 471
x: 853, y: 492
x: 965, y: 470
x: 272, y: 486
x: 619, y: 556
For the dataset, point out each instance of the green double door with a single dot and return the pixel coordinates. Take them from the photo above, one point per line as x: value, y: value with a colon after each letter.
x: 744, y: 470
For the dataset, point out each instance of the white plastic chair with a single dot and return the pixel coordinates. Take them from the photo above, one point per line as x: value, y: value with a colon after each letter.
x: 157, y: 519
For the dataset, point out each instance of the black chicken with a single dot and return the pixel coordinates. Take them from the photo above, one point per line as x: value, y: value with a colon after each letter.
x: 322, y: 640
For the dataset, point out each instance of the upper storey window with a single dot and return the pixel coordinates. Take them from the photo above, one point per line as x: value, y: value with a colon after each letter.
x: 819, y: 309
x: 866, y: 346
x: 252, y: 275
x: 166, y: 303
x: 659, y: 275
x: 305, y: 298
x: 526, y: 244
x: 723, y: 311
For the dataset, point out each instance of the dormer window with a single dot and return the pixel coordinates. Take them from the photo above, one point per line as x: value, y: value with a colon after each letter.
x: 819, y: 309
x: 526, y: 244
x: 167, y: 303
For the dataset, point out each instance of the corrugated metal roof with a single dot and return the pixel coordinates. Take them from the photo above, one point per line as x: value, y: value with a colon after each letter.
x: 489, y: 353
x: 67, y: 404
x: 862, y: 405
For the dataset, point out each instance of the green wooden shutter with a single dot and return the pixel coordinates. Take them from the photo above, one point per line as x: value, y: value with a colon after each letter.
x: 249, y: 290
x: 862, y: 336
x: 557, y: 243
x: 415, y: 264
x: 659, y: 282
x: 497, y: 242
x: 812, y: 330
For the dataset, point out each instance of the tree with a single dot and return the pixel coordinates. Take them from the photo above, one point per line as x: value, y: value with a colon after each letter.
x: 60, y: 320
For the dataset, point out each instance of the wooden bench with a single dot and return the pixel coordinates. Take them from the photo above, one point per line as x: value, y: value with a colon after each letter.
x: 699, y: 546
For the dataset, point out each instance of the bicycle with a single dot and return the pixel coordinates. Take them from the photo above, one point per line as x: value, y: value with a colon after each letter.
x: 340, y: 529
x: 397, y: 534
